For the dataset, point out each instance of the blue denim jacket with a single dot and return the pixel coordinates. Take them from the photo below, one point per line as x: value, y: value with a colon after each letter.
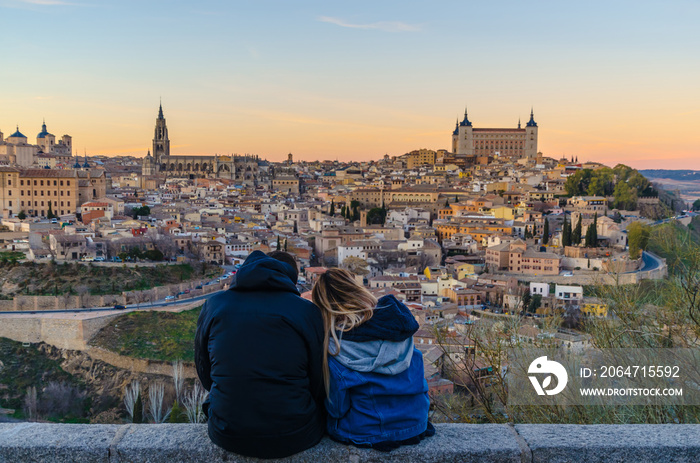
x: 378, y: 392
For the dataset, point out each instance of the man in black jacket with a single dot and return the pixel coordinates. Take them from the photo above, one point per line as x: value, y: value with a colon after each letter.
x: 259, y: 351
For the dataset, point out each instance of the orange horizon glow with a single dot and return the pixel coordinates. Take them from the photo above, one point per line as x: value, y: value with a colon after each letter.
x: 354, y: 81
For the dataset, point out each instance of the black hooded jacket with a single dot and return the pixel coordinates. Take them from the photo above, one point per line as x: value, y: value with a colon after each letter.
x: 259, y: 351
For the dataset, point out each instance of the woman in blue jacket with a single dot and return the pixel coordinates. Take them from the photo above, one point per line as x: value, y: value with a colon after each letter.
x: 377, y: 393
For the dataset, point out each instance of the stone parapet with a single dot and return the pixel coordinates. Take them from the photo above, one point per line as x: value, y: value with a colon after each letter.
x: 39, y: 442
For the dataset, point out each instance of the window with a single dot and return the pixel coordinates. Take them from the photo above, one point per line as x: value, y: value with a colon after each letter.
x: 10, y: 203
x: 9, y: 182
x: 67, y: 182
x: 21, y: 182
x: 34, y: 182
x: 42, y: 183
x: 54, y: 183
x: 61, y: 182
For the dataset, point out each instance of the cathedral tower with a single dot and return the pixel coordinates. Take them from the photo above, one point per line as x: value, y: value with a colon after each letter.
x: 161, y: 142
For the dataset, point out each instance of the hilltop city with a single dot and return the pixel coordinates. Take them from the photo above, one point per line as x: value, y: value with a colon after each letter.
x: 488, y: 229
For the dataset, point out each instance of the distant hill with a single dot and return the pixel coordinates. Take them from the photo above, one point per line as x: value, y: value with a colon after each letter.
x: 681, y: 175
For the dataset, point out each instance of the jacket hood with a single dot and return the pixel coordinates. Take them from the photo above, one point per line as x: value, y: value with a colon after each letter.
x: 391, y: 321
x: 262, y: 273
x: 383, y: 357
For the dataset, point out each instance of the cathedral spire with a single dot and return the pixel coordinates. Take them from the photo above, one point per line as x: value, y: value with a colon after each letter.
x: 518, y: 122
x: 160, y: 110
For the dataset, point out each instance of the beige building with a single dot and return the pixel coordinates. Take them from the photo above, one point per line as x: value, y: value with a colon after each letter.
x: 514, y: 257
x: 421, y: 157
x: 35, y: 190
x: 513, y: 143
x: 9, y: 179
x: 589, y: 204
x: 286, y: 184
x: 16, y: 150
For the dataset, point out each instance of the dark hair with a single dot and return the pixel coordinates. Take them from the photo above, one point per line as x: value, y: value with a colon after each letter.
x: 287, y: 259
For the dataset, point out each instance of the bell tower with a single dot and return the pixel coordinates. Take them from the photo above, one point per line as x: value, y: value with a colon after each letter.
x: 161, y: 142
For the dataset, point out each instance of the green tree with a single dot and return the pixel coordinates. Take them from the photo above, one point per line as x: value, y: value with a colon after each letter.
x: 637, y: 238
x: 545, y: 232
x: 285, y: 245
x: 576, y: 234
x: 332, y: 211
x: 577, y: 184
x: 279, y: 245
x: 602, y: 182
x: 141, y: 211
x: 22, y: 215
x: 525, y: 299
x: 296, y: 228
x: 355, y: 213
x: 138, y: 409
x: 566, y: 233
x: 625, y: 197
x: 696, y: 205
x: 595, y: 229
x: 535, y: 303
x: 376, y: 216
x: 50, y: 214
x: 177, y: 415
x: 592, y: 233
x: 447, y: 203
x: 154, y: 255
x: 342, y: 211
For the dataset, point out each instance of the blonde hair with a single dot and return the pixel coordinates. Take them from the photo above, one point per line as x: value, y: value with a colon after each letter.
x: 344, y: 305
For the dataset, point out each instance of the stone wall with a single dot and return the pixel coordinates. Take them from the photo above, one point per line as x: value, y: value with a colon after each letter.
x: 44, y: 303
x: 151, y: 367
x: 63, y: 333
x: 523, y: 443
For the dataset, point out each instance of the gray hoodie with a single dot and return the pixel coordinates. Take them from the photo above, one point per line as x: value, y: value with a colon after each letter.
x: 380, y: 356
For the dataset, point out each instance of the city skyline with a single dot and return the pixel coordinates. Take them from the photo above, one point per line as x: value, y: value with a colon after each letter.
x: 328, y: 82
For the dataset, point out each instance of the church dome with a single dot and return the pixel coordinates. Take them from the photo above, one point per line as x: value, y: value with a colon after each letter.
x: 43, y: 132
x: 17, y: 134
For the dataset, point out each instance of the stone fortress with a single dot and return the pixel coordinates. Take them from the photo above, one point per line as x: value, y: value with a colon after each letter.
x: 514, y: 143
x: 247, y: 169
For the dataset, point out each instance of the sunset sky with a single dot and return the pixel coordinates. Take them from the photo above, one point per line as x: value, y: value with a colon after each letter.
x: 609, y: 81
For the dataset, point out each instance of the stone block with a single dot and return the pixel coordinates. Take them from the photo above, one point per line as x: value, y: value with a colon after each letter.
x: 56, y: 443
x: 559, y: 443
x: 149, y: 443
x: 455, y: 443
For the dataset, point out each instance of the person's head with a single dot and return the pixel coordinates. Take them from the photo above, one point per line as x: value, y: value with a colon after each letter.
x: 287, y: 259
x: 344, y: 304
